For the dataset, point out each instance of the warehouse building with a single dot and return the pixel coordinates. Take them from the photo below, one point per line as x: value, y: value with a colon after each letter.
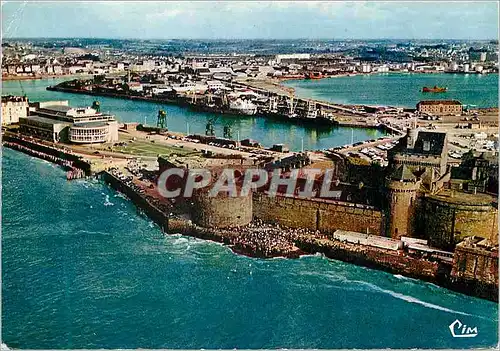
x: 440, y: 107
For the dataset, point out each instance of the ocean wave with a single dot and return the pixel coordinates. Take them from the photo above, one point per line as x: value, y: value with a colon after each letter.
x: 317, y: 254
x: 423, y: 303
x: 118, y: 194
x: 414, y: 300
x: 180, y: 241
x: 410, y: 299
x: 330, y: 276
x: 402, y: 277
x: 107, y: 202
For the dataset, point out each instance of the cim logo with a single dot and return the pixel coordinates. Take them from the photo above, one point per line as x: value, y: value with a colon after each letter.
x: 460, y: 330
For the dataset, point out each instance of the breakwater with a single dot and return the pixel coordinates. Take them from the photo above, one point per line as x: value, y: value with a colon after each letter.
x: 74, y: 164
x: 392, y: 262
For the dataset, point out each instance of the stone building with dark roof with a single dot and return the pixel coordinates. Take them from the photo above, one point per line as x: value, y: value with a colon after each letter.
x: 425, y: 154
x: 440, y: 107
x: 419, y: 205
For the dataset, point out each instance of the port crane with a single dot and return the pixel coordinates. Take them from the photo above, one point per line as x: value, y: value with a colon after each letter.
x: 227, y: 132
x: 96, y: 105
x: 161, y: 121
x: 209, y: 129
x: 291, y: 102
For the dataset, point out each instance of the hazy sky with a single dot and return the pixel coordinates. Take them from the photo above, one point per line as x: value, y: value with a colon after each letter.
x: 252, y: 19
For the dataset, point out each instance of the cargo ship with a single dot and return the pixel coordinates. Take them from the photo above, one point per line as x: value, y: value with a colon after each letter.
x: 436, y: 89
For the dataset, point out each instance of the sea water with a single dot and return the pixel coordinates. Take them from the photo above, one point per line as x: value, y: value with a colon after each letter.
x: 401, y: 89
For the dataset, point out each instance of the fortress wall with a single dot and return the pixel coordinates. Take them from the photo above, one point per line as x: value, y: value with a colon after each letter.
x: 289, y: 212
x: 446, y: 224
x: 315, y: 214
x: 471, y: 264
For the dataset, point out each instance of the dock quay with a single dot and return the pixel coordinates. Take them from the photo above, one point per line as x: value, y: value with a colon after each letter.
x: 269, y: 105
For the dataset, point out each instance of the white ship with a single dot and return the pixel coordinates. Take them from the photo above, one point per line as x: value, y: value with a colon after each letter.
x: 242, y: 107
x: 312, y: 111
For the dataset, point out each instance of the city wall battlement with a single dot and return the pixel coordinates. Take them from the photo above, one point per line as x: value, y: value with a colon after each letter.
x: 317, y: 214
x: 448, y: 222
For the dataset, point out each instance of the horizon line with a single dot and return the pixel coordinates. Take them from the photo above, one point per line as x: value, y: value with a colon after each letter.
x: 227, y: 39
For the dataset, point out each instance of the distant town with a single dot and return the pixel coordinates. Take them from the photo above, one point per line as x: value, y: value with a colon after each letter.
x: 420, y: 201
x: 243, y: 58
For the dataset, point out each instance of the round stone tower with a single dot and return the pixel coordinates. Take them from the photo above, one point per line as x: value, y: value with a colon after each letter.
x: 221, y: 211
x: 402, y: 186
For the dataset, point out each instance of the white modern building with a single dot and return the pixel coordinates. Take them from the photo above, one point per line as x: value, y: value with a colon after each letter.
x: 59, y: 122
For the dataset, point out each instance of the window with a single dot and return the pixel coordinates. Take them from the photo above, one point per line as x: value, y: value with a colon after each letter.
x: 427, y: 145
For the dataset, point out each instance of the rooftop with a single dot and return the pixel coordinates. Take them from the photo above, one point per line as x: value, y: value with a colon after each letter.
x: 463, y: 198
x: 89, y: 125
x: 11, y: 98
x: 439, y: 102
x: 436, y: 143
x: 403, y: 173
x: 45, y: 120
x: 57, y: 108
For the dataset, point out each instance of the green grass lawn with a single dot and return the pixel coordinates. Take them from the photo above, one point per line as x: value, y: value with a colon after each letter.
x: 140, y: 148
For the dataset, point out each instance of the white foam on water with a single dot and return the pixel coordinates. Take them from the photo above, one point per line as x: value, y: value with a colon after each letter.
x: 4, y: 347
x: 373, y: 287
x: 411, y: 299
x: 180, y: 241
x: 402, y: 277
x: 277, y: 258
x: 118, y: 194
x: 107, y: 202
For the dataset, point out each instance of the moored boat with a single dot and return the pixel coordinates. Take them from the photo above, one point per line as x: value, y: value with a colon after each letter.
x: 314, y: 75
x: 435, y: 89
x: 243, y: 107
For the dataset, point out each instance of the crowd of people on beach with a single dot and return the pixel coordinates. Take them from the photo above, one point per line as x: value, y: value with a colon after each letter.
x: 270, y: 240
